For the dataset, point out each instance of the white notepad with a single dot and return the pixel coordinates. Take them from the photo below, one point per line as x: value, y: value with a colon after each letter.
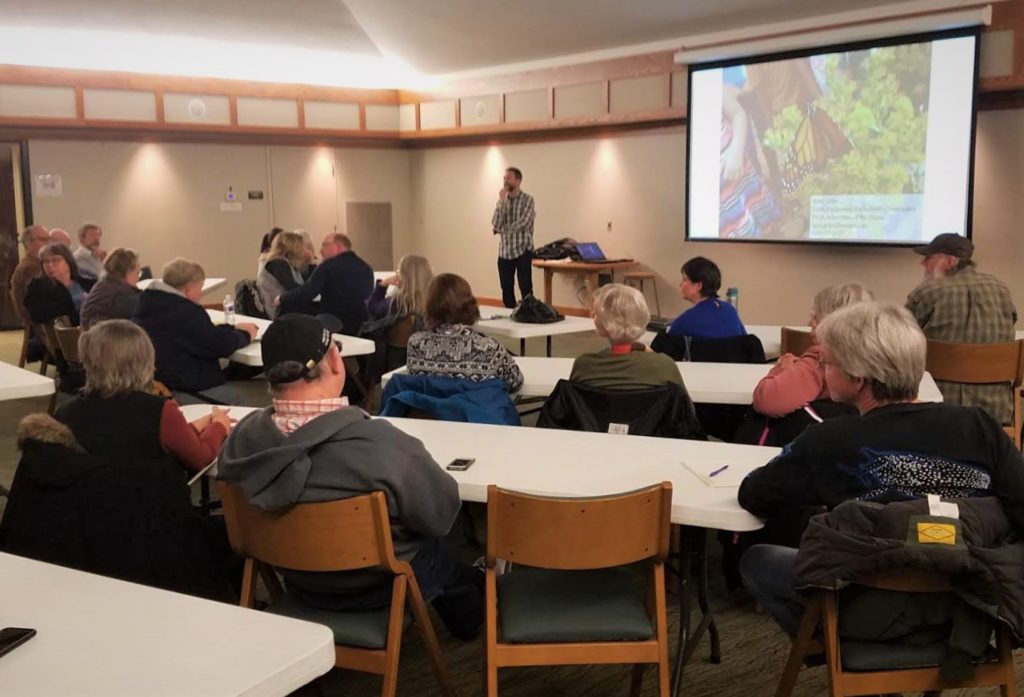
x: 731, y: 477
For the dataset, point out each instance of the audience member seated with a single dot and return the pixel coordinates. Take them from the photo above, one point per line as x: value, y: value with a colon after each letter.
x: 118, y: 419
x: 897, y: 449
x: 282, y: 270
x: 60, y: 291
x: 116, y: 296
x: 955, y: 302
x: 33, y: 238
x: 396, y: 308
x: 188, y: 345
x: 89, y: 256
x: 60, y: 235
x: 709, y: 318
x: 451, y: 347
x: 265, y: 245
x: 621, y: 316
x: 409, y: 297
x: 342, y: 280
x: 794, y: 382
x: 135, y: 523
x: 310, y: 446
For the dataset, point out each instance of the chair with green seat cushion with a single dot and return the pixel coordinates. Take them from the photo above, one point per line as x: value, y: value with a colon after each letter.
x: 335, y: 536
x: 368, y: 630
x: 541, y: 605
x: 861, y: 668
x: 587, y: 583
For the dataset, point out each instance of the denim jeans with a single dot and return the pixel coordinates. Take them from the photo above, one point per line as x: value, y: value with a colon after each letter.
x: 508, y: 269
x: 767, y: 572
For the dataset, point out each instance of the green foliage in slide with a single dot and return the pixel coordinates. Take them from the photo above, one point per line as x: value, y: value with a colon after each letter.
x: 879, y: 99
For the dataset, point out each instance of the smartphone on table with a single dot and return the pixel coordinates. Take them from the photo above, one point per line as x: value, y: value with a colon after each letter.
x: 13, y: 637
x: 460, y: 464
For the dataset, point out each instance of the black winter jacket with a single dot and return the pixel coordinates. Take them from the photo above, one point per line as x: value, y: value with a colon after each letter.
x: 187, y: 343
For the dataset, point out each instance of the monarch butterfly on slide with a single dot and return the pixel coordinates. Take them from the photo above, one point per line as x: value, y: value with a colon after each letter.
x: 818, y: 139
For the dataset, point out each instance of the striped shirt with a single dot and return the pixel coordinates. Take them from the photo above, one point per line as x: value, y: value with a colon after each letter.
x: 968, y: 307
x: 513, y: 220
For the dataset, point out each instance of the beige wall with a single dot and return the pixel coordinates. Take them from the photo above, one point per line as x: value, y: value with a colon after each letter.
x: 165, y: 199
x: 637, y: 183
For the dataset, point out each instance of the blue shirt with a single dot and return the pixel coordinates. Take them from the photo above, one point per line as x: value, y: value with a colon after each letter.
x: 711, y: 318
x: 77, y: 295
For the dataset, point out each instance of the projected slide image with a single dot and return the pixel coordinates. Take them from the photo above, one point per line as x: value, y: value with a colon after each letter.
x: 832, y: 147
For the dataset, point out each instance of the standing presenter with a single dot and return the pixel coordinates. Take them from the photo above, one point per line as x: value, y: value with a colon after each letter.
x: 513, y: 220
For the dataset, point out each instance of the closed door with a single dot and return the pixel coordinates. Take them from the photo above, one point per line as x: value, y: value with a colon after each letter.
x: 369, y: 228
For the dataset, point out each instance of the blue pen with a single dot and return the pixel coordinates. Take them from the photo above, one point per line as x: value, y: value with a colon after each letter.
x: 719, y: 471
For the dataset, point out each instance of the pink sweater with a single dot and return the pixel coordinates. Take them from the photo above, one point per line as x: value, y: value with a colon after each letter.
x: 783, y: 391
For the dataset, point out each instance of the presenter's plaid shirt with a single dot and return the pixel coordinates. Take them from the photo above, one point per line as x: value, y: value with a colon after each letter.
x: 513, y: 220
x: 973, y: 308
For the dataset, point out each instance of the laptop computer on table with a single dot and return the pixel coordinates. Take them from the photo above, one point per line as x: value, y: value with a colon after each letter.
x: 591, y: 253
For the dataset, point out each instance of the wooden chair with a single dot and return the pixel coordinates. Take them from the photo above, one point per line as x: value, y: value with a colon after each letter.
x: 867, y: 678
x: 334, y: 536
x: 795, y: 341
x: 979, y: 364
x: 67, y: 338
x: 573, y: 606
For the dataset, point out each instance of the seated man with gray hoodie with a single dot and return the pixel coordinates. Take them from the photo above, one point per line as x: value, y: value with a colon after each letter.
x: 311, y: 446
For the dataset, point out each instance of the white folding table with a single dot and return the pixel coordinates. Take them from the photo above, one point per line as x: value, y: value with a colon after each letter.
x: 572, y: 463
x: 210, y: 284
x: 250, y: 355
x: 18, y: 383
x: 706, y: 383
x: 495, y: 321
x: 100, y: 637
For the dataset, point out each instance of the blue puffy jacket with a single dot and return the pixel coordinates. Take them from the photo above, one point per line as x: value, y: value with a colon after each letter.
x: 450, y: 399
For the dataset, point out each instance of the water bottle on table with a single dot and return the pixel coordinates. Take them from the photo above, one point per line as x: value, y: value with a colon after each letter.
x: 229, y: 310
x: 732, y: 296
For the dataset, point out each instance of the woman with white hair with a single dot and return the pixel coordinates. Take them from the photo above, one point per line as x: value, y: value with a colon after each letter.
x: 621, y: 316
x: 796, y: 381
x: 896, y: 449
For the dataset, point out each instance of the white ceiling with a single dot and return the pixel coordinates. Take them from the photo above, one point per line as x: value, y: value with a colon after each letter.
x: 433, y: 36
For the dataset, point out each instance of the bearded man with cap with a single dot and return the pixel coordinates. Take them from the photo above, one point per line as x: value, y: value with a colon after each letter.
x: 957, y: 303
x: 310, y: 446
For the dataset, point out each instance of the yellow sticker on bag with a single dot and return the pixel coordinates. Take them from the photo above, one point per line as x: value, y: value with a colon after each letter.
x: 936, y: 534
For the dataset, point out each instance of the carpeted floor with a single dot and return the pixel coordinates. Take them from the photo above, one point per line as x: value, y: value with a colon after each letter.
x: 753, y: 649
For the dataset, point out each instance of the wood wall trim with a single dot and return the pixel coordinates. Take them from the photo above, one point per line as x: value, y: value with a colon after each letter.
x: 98, y: 79
x: 1007, y: 16
x: 136, y: 133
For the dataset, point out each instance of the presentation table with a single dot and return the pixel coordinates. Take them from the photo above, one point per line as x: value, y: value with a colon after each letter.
x: 707, y: 383
x: 250, y: 355
x: 495, y: 321
x: 589, y: 270
x: 103, y: 637
x: 210, y: 284
x: 18, y: 383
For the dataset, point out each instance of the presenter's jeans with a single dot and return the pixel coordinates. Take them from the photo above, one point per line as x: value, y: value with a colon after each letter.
x: 508, y: 269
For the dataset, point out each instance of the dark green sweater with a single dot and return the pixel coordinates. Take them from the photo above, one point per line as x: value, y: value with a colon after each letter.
x: 628, y: 371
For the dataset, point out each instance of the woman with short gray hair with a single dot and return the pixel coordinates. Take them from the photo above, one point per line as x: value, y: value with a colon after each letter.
x: 116, y: 296
x: 621, y: 316
x: 795, y: 382
x: 119, y: 419
x: 895, y: 449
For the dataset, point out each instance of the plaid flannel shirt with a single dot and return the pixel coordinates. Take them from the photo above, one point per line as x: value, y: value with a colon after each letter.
x: 513, y: 220
x: 968, y: 307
